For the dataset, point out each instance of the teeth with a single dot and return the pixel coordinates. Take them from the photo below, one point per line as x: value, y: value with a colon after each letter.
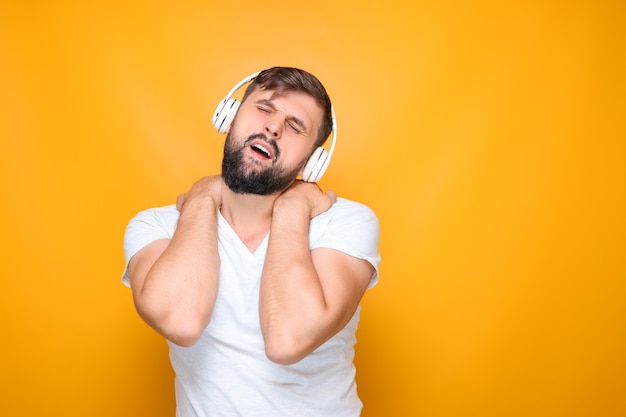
x: 262, y: 149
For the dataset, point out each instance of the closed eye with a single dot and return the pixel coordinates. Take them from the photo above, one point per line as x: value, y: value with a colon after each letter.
x: 295, y: 127
x: 294, y: 123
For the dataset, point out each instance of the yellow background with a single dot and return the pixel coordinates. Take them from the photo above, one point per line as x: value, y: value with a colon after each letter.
x: 488, y: 136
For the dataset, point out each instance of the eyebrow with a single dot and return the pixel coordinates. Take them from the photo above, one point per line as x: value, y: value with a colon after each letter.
x: 294, y: 119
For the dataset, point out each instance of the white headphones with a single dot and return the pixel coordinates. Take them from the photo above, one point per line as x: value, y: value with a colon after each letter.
x: 317, y: 163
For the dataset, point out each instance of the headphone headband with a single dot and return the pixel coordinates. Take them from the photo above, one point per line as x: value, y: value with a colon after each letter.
x: 241, y: 83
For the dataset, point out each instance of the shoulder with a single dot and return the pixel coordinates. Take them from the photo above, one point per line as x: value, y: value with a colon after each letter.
x: 347, y: 221
x: 165, y: 217
x: 349, y: 227
x: 146, y: 227
x: 348, y: 212
x: 149, y: 225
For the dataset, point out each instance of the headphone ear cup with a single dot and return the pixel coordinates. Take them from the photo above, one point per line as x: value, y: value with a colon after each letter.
x: 225, y: 113
x: 316, y: 165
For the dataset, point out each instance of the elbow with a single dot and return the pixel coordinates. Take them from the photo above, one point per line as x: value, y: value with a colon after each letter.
x: 286, y: 350
x: 186, y: 336
x: 182, y: 331
x: 283, y: 356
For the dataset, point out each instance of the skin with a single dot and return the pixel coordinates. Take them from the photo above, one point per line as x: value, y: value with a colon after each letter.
x: 306, y: 296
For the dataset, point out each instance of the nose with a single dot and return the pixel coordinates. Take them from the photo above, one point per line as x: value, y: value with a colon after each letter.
x: 274, y: 126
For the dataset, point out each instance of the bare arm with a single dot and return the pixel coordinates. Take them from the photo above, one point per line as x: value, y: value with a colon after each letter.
x: 306, y: 296
x: 174, y: 282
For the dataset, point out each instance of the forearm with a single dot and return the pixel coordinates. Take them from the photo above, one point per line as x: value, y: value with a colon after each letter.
x: 292, y: 303
x: 178, y: 292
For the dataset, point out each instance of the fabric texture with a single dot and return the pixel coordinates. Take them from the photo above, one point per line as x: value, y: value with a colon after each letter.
x: 226, y: 373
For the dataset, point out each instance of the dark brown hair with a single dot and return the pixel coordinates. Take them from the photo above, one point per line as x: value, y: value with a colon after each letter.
x: 287, y: 79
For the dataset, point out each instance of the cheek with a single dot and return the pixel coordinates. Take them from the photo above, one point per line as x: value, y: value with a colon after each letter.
x: 242, y: 123
x: 303, y: 159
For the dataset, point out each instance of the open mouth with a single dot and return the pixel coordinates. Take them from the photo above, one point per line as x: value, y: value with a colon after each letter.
x: 263, y: 149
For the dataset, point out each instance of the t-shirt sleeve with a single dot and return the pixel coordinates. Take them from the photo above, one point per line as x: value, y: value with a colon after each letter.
x: 351, y: 228
x: 146, y: 227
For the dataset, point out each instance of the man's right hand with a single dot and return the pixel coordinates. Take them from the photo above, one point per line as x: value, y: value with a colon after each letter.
x: 210, y: 186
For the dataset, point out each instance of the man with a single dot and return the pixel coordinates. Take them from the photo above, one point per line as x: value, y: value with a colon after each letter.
x: 255, y: 277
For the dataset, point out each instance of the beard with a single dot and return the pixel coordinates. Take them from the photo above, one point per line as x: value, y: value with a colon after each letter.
x: 242, y: 177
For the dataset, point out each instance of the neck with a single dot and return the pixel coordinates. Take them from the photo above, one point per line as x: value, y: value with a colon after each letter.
x: 249, y: 215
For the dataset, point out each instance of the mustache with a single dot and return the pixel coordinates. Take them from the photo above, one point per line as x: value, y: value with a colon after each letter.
x: 270, y: 142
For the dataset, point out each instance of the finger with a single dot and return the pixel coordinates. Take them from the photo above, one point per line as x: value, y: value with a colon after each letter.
x: 180, y: 201
x: 332, y: 196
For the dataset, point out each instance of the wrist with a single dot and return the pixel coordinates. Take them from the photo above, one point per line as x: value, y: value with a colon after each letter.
x: 200, y: 203
x: 291, y: 206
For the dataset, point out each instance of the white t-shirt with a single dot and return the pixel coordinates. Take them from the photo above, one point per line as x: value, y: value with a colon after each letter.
x: 226, y: 373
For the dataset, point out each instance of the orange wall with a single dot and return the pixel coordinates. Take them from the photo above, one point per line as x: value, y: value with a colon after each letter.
x: 489, y: 137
